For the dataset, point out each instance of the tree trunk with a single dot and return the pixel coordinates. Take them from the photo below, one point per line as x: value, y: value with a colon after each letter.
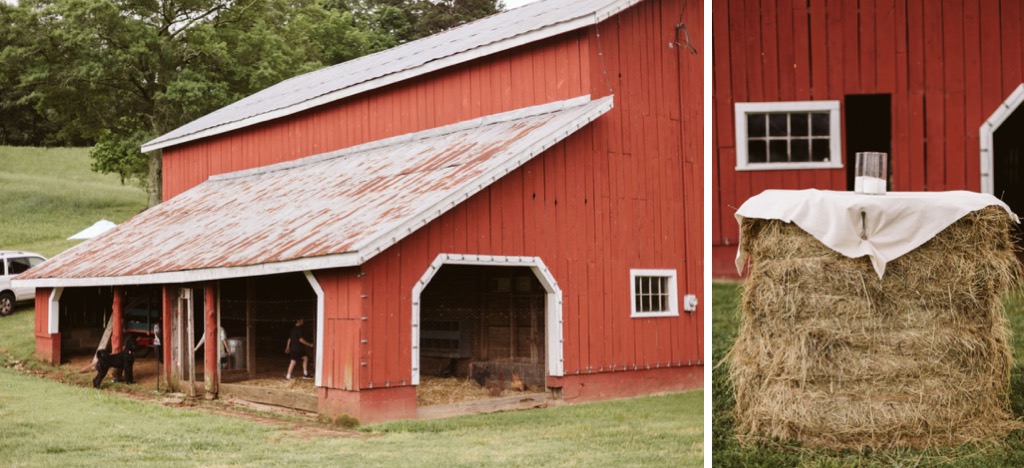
x: 154, y: 181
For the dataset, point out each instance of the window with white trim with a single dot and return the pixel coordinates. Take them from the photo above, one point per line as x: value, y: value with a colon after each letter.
x: 788, y: 135
x: 653, y: 293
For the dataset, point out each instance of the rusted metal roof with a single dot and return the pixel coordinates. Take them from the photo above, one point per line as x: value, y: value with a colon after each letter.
x: 331, y: 210
x: 496, y: 33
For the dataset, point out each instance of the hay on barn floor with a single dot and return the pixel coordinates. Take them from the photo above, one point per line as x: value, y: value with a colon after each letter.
x: 444, y: 391
x: 831, y: 356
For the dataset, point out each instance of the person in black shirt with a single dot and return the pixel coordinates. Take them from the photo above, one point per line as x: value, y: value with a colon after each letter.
x: 295, y: 349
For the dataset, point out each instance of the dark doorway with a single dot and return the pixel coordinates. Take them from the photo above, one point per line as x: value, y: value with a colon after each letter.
x: 482, y: 333
x: 1007, y: 156
x: 868, y: 128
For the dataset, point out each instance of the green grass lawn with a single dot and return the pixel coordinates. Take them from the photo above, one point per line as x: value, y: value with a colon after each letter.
x: 44, y: 422
x: 726, y: 450
x: 49, y: 194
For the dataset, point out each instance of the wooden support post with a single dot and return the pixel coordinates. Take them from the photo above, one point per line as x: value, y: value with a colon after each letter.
x: 169, y: 297
x: 211, y: 369
x: 250, y: 331
x: 117, y: 319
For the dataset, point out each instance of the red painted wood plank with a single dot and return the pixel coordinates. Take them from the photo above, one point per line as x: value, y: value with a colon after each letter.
x: 915, y: 104
x: 991, y: 53
x: 953, y: 69
x: 974, y: 94
x: 934, y: 103
x: 868, y: 51
x: 885, y: 15
x: 769, y: 49
x: 751, y: 47
x: 1010, y: 14
x: 791, y: 44
x: 819, y: 51
x: 837, y: 63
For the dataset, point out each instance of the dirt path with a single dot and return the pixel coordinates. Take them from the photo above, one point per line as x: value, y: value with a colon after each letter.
x: 299, y: 424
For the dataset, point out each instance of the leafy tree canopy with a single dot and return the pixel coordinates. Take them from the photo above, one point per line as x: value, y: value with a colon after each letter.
x: 116, y: 73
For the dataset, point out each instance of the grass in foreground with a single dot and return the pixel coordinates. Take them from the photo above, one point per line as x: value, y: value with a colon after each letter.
x: 49, y: 423
x: 49, y: 194
x: 727, y: 451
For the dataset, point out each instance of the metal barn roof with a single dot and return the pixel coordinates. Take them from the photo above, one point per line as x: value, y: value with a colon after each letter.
x: 332, y: 210
x: 496, y: 33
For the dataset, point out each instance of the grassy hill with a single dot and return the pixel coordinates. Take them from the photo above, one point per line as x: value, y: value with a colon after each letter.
x: 49, y: 194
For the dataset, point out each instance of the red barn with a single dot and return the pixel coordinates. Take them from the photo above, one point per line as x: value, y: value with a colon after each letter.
x: 518, y: 198
x: 800, y: 87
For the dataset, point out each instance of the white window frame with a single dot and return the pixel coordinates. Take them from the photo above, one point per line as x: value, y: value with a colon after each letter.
x: 673, y: 294
x: 835, y: 134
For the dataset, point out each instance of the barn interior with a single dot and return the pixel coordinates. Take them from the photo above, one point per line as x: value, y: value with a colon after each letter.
x: 84, y: 317
x: 481, y: 334
x: 258, y: 314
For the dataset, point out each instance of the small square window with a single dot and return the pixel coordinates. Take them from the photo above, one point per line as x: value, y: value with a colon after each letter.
x: 788, y: 135
x: 654, y: 293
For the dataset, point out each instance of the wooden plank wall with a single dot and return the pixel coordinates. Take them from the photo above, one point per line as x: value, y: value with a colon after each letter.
x: 947, y: 64
x: 621, y: 193
x: 534, y: 74
x: 344, y: 309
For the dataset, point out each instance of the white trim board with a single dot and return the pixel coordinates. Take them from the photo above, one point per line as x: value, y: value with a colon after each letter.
x: 319, y: 369
x: 835, y: 133
x: 552, y: 304
x: 987, y: 132
x: 53, y: 312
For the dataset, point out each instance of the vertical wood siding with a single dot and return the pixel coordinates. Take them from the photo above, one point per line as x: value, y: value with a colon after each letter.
x: 947, y: 64
x: 538, y: 73
x: 624, y: 192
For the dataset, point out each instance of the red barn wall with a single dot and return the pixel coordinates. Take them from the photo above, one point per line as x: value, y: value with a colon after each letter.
x: 947, y: 65
x: 47, y: 345
x: 623, y: 192
x: 533, y: 74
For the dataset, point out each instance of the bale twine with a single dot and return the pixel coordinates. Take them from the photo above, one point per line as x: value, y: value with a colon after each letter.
x: 831, y: 356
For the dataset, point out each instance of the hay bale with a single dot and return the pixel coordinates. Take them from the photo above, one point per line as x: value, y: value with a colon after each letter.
x: 831, y: 356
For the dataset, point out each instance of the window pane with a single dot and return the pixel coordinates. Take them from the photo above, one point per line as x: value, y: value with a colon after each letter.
x: 819, y: 150
x: 819, y: 124
x: 755, y: 125
x: 799, y: 150
x: 637, y: 306
x: 757, y: 151
x: 777, y: 151
x: 798, y: 125
x: 778, y: 125
x: 645, y: 303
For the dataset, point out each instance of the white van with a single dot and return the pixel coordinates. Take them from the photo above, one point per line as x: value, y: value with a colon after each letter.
x: 13, y: 263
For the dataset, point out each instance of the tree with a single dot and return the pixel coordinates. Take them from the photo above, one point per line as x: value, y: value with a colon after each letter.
x: 117, y: 73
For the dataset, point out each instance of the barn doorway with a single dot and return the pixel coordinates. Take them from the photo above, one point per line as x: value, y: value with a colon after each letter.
x: 258, y: 314
x: 485, y: 330
x: 1008, y: 161
x: 83, y: 319
x: 868, y: 128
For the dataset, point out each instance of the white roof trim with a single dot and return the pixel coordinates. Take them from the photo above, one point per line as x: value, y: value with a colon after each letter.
x: 385, y: 80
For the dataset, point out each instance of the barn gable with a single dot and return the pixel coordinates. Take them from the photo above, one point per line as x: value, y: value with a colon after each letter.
x: 332, y: 210
x: 488, y: 36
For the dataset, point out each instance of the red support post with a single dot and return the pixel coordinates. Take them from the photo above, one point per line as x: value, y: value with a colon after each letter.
x: 168, y: 296
x: 117, y: 329
x: 211, y: 369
